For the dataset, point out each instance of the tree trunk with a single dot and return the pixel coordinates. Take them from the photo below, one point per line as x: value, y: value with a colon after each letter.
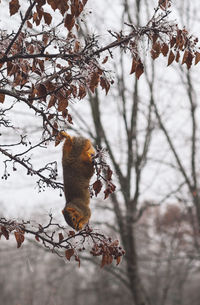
x: 136, y: 287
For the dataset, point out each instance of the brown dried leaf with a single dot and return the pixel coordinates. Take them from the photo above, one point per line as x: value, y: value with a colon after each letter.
x: 189, y: 60
x: 154, y: 54
x: 78, y: 8
x: 118, y: 259
x: 63, y: 6
x: 29, y: 25
x: 5, y: 232
x: 45, y: 38
x: 35, y: 16
x: 55, y: 129
x: 171, y: 58
x: 139, y: 69
x: 37, y: 238
x: 19, y: 238
x: 77, y: 46
x: 164, y: 4
x: 40, y: 12
x: 156, y: 49
x: 134, y: 65
x: 197, y: 58
x: 61, y: 237
x: 69, y: 253
x: 105, y: 60
x: 82, y: 92
x: 50, y: 86
x: 47, y: 18
x: 41, y: 90
x: 14, y: 7
x: 172, y: 42
x: 164, y: 49
x: 65, y: 113
x: 71, y: 233
x: 69, y: 21
x: 109, y: 174
x: 115, y: 243
x: 41, y: 2
x: 9, y: 67
x: 53, y: 3
x: 52, y: 101
x: 2, y: 98
x: 69, y: 119
x: 97, y: 185
x: 109, y: 190
x: 177, y: 56
x: 104, y: 83
x: 58, y: 139
x: 94, y: 81
x: 185, y: 56
x: 31, y: 49
x: 74, y: 90
x: 41, y: 64
x: 62, y: 104
x: 106, y: 260
x: 155, y: 37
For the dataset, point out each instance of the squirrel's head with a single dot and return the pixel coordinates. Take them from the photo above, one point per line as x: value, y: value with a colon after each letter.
x: 74, y: 218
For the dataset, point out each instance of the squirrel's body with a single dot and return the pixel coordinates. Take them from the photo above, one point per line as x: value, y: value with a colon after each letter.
x: 77, y: 171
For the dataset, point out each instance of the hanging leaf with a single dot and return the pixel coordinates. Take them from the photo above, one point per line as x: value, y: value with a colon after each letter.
x: 62, y: 104
x: 106, y: 260
x: 134, y: 65
x: 29, y: 25
x: 118, y: 259
x: 139, y: 69
x: 82, y: 92
x: 55, y: 129
x: 97, y: 185
x: 14, y: 7
x: 69, y: 21
x: 2, y: 98
x: 19, y: 238
x: 37, y: 238
x: 69, y: 119
x: 197, y: 58
x: 94, y: 81
x: 105, y: 60
x: 47, y: 18
x: 189, y: 60
x: 172, y: 42
x: 5, y: 232
x: 164, y: 49
x: 104, y: 84
x: 61, y: 237
x: 185, y: 56
x: 154, y: 38
x: 54, y: 4
x: 171, y: 58
x: 41, y: 90
x: 52, y: 101
x: 69, y: 253
x: 177, y: 56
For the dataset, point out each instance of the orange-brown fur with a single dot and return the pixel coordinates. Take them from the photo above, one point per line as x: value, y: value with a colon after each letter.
x: 77, y: 172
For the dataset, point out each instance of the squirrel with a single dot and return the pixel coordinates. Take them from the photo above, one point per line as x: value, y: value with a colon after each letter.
x: 78, y: 169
